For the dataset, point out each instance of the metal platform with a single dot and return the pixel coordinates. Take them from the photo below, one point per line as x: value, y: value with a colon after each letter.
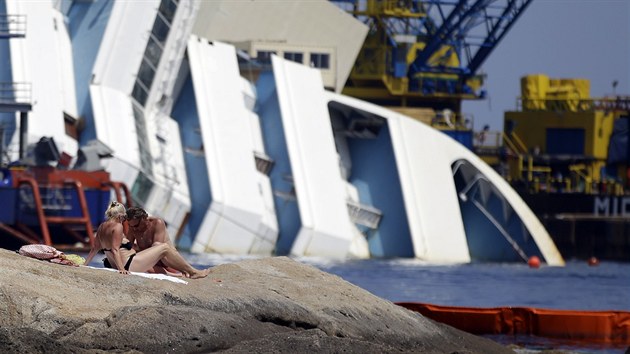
x: 15, y: 97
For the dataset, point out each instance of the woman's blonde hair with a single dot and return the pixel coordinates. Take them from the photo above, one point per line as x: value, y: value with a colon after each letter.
x: 115, y: 208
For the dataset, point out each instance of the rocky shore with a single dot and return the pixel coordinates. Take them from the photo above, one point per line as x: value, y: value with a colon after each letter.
x: 271, y: 305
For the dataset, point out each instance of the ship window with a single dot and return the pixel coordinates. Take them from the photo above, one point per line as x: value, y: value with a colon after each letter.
x: 319, y: 60
x: 141, y: 188
x: 294, y: 56
x: 167, y: 9
x: 139, y: 93
x: 565, y: 141
x: 153, y: 52
x: 264, y: 56
x: 146, y: 74
x: 160, y: 30
x: 143, y: 141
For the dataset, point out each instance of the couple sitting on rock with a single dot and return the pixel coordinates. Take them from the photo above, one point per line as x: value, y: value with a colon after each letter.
x: 152, y: 252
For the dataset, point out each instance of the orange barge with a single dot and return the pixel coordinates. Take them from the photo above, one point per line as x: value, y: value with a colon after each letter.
x: 605, y: 327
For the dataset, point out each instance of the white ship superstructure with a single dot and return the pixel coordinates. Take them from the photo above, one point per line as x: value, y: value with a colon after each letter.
x: 130, y: 89
x: 40, y: 61
x: 240, y: 217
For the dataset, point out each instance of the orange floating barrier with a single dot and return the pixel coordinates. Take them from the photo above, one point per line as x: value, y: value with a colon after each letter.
x: 589, y: 326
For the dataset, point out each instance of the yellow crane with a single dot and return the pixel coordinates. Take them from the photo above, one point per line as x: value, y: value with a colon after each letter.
x: 426, y: 54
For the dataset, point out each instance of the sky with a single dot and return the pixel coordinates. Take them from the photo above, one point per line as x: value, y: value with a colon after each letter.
x: 587, y: 39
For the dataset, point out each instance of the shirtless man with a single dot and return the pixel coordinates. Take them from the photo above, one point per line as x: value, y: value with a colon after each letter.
x: 148, y: 231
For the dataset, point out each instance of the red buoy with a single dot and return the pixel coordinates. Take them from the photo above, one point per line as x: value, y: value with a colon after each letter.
x: 533, y: 262
x: 593, y: 261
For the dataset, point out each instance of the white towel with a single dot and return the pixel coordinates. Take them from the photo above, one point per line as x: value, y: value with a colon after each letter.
x: 148, y: 275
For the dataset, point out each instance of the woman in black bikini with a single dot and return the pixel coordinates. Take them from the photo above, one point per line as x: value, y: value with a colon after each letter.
x: 121, y: 255
x: 125, y: 245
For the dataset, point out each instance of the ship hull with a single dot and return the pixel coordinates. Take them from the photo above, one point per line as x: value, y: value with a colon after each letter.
x: 585, y: 225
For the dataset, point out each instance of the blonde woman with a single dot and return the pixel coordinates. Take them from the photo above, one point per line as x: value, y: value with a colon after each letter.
x: 120, y: 254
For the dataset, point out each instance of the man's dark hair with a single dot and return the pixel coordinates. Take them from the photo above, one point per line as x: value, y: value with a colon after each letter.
x: 136, y: 213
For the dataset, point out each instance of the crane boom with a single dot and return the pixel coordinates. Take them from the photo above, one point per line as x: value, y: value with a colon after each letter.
x: 427, y: 53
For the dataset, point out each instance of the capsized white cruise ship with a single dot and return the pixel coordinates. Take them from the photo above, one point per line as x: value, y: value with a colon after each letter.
x: 259, y: 156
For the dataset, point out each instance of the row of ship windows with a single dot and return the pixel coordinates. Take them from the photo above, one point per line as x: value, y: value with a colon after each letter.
x: 143, y: 184
x: 153, y: 50
x: 146, y: 74
x: 316, y: 60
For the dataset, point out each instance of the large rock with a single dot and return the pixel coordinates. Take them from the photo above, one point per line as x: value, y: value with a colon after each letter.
x: 268, y: 305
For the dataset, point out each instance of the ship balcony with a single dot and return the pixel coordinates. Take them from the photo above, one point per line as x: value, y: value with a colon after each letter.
x: 12, y: 26
x: 15, y: 97
x: 264, y: 163
x: 364, y: 215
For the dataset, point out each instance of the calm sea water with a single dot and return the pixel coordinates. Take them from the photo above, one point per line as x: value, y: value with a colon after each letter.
x: 577, y: 286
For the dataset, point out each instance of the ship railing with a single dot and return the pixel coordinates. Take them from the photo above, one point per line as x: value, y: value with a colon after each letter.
x: 448, y: 120
x: 609, y: 104
x: 44, y: 220
x: 541, y: 179
x: 12, y: 26
x: 488, y: 139
x: 610, y: 187
x: 582, y: 175
x: 521, y: 167
x: 590, y: 185
x: 15, y: 92
x: 514, y: 142
x: 520, y: 157
x: 392, y: 8
x: 364, y: 215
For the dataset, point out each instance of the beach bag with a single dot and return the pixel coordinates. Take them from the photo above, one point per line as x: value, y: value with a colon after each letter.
x: 49, y: 253
x: 39, y: 251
